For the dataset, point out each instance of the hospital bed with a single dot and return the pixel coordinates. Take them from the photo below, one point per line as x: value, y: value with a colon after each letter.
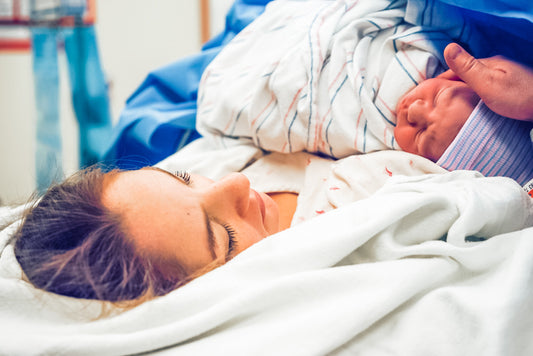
x: 438, y: 263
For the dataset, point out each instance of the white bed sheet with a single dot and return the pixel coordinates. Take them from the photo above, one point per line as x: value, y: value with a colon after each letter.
x: 402, y: 272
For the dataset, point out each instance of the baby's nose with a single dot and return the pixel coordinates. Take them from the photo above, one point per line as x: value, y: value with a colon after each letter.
x: 417, y: 113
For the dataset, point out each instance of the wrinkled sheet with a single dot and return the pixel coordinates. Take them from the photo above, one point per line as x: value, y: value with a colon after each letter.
x: 434, y: 264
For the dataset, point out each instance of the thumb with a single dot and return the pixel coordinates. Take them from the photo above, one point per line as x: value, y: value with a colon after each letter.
x: 472, y: 71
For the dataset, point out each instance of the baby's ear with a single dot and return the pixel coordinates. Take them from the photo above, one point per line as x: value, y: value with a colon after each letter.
x: 450, y: 75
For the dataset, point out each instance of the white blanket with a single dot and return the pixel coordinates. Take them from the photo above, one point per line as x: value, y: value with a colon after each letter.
x: 404, y: 272
x: 320, y: 76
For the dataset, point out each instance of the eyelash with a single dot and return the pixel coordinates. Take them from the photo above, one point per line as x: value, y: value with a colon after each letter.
x: 184, y: 176
x: 232, y: 242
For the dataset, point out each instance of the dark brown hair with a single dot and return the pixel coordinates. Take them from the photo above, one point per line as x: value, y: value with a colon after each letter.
x: 70, y: 244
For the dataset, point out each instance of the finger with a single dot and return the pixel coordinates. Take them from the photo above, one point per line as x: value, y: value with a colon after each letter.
x: 469, y: 69
x: 450, y: 75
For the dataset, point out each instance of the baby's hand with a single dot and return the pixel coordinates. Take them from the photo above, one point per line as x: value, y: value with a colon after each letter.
x: 506, y: 87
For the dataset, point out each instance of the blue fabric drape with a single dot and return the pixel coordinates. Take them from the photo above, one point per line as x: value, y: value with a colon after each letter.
x: 485, y: 27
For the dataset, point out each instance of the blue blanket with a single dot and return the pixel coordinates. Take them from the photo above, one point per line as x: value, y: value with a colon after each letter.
x: 159, y: 118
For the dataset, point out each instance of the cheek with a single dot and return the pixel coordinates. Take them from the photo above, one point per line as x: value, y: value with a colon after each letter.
x: 246, y: 237
x: 405, y: 136
x: 271, y: 216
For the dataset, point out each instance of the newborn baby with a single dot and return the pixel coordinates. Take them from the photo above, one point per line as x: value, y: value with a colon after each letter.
x: 431, y: 115
x: 444, y: 120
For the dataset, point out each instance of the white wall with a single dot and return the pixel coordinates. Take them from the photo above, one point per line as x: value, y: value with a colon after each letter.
x: 218, y: 10
x: 135, y: 36
x: 17, y: 110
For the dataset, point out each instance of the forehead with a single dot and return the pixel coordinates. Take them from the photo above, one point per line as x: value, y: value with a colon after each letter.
x: 432, y: 85
x: 161, y: 215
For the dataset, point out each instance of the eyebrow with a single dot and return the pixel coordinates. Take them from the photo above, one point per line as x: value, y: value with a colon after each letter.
x: 211, y: 241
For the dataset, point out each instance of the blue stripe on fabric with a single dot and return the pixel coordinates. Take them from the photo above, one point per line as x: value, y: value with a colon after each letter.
x: 277, y: 28
x: 338, y: 89
x: 405, y: 70
x: 394, y: 40
x: 237, y: 120
x: 290, y: 129
x: 385, y: 117
x: 375, y: 24
x: 331, y: 118
x: 265, y: 119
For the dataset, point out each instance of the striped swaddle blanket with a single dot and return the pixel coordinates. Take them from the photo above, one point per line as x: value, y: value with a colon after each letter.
x: 318, y: 76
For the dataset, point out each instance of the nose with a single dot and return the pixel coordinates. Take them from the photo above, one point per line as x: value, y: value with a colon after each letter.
x: 229, y: 195
x: 417, y: 113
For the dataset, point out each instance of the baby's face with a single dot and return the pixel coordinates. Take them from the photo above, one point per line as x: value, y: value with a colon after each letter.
x: 431, y: 115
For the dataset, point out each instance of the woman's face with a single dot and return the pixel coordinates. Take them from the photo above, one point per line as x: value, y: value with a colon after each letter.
x: 431, y: 115
x: 189, y: 219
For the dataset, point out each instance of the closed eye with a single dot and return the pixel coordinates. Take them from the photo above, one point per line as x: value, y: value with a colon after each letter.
x: 439, y: 95
x: 184, y: 176
x: 232, y: 241
x: 417, y: 135
x: 436, y: 99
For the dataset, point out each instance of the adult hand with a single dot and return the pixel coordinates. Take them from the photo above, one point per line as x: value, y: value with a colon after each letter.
x: 506, y: 87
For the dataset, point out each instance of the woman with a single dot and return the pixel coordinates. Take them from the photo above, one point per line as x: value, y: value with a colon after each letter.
x: 127, y: 235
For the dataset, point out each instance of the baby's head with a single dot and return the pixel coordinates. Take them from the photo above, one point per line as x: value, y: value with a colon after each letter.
x: 432, y: 114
